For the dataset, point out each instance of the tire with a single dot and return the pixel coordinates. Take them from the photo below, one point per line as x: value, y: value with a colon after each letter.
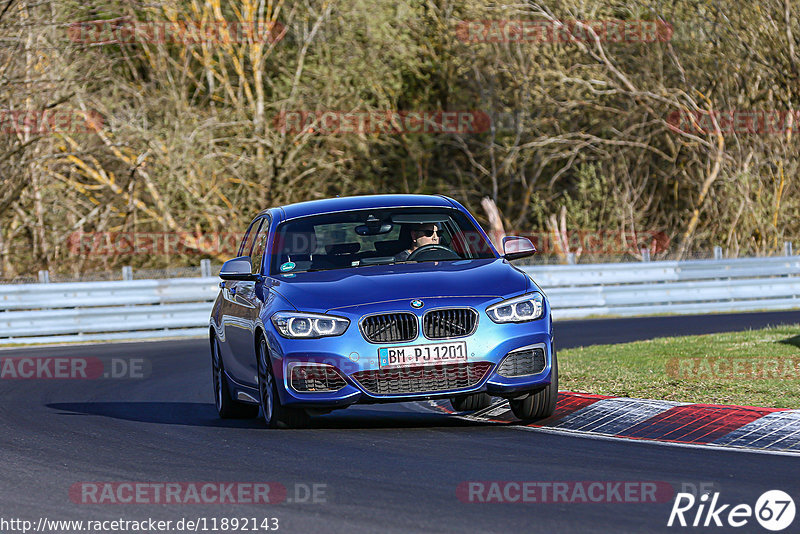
x: 541, y: 403
x: 274, y: 414
x: 227, y: 408
x: 471, y: 402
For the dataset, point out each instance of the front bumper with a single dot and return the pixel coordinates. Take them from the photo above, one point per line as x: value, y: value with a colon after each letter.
x: 350, y: 354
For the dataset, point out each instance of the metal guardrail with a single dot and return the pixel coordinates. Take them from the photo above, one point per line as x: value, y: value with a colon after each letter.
x: 178, y: 307
x: 670, y: 287
x: 89, y: 311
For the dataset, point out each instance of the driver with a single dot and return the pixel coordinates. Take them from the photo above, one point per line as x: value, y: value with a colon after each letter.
x: 421, y: 235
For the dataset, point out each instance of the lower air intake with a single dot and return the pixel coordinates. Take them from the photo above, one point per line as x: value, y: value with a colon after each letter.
x: 422, y: 379
x: 308, y: 378
x: 522, y: 363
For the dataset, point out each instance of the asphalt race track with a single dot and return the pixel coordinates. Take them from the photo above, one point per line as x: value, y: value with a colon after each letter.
x: 385, y: 468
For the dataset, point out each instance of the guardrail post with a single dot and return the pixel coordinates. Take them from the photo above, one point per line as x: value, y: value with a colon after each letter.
x: 205, y: 268
x: 718, y: 253
x: 645, y: 254
x: 127, y: 273
x: 571, y: 258
x: 787, y: 248
x: 44, y: 277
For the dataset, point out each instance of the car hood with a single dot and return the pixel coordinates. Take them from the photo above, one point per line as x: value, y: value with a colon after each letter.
x: 325, y: 290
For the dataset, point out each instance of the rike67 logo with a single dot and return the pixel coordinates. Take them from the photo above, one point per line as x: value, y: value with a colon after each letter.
x: 774, y: 510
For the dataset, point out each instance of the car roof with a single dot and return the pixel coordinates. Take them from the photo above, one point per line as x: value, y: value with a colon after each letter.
x: 330, y: 205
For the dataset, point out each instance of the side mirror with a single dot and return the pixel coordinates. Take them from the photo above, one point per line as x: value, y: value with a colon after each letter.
x: 515, y: 248
x: 238, y: 269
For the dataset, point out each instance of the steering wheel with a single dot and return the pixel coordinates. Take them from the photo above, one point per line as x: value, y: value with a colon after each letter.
x: 433, y: 252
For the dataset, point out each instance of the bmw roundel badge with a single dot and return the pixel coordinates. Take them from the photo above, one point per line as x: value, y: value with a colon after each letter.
x: 416, y: 303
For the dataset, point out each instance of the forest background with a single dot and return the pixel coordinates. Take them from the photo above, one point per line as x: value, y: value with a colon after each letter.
x: 675, y: 141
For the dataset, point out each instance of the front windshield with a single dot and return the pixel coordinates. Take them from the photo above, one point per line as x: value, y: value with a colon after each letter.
x: 376, y: 237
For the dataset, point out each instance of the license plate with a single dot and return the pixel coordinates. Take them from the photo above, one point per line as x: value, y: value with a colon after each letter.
x: 421, y: 355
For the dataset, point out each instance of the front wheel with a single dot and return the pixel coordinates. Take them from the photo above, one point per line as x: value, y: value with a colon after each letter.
x: 275, y: 414
x: 539, y: 404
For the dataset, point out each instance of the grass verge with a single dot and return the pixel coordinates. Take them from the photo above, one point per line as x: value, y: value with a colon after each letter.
x: 752, y: 368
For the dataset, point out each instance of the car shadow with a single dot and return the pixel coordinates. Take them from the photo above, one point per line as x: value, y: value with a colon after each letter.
x: 165, y: 413
x: 794, y: 341
x: 204, y: 415
x: 368, y: 418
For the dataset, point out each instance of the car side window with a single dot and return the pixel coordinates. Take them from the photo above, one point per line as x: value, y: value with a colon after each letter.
x: 249, y: 238
x: 259, y: 247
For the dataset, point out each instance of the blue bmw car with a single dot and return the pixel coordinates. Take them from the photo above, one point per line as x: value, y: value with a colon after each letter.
x: 372, y: 299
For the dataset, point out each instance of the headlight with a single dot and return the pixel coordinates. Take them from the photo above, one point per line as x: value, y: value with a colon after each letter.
x: 309, y: 325
x: 517, y: 310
